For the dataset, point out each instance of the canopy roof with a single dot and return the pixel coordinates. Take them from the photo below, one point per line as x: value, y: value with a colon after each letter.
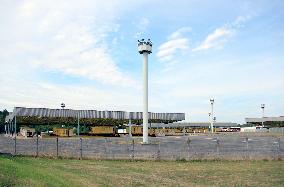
x: 264, y: 119
x: 46, y: 112
x: 195, y: 124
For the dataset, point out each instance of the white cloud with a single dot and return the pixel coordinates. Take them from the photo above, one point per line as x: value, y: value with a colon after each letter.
x: 167, y: 49
x: 220, y: 36
x: 66, y: 37
x: 38, y: 94
x: 240, y: 21
x: 69, y: 38
x: 176, y: 42
x: 75, y: 51
x: 216, y: 39
x: 230, y: 81
x: 179, y: 33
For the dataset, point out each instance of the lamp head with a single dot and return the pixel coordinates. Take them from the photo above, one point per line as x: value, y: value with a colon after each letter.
x: 262, y: 106
x: 62, y: 105
x: 145, y: 47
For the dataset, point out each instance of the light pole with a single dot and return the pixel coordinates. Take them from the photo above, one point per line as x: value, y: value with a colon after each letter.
x: 62, y: 111
x: 262, y: 106
x: 209, y: 114
x: 212, y: 114
x: 145, y: 48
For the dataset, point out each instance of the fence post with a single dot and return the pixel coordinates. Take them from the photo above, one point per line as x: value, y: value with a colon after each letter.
x: 105, y: 148
x: 159, y: 151
x: 132, y: 150
x: 81, y: 149
x: 37, y: 145
x: 15, y: 132
x: 110, y: 150
x: 15, y: 145
x: 247, y: 147
x: 127, y: 146
x: 217, y: 145
x: 279, y: 149
x: 57, y: 147
x: 188, y: 146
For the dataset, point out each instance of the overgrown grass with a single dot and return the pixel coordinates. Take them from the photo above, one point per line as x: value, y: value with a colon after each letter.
x: 28, y: 171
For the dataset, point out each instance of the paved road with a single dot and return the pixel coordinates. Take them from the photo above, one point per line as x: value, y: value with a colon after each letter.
x: 168, y: 148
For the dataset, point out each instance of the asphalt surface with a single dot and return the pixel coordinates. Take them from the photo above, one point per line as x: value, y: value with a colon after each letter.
x: 166, y: 148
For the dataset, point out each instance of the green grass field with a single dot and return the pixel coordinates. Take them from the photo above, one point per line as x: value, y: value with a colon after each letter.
x: 28, y: 171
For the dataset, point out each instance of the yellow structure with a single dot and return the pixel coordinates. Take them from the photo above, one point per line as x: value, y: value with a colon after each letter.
x: 63, y: 132
x: 103, y: 130
x: 138, y: 131
x: 135, y: 130
x: 169, y: 131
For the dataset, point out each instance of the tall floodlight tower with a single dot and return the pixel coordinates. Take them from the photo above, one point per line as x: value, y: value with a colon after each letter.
x: 212, y: 115
x: 145, y: 48
x: 262, y: 107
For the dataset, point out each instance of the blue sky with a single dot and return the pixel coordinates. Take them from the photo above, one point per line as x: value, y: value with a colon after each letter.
x: 85, y: 54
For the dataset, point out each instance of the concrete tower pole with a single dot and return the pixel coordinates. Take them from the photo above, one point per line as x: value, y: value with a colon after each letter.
x: 145, y: 97
x: 145, y: 48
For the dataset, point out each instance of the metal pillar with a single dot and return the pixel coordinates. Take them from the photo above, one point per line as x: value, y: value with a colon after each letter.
x: 36, y: 145
x: 57, y: 147
x: 81, y: 149
x: 145, y: 97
